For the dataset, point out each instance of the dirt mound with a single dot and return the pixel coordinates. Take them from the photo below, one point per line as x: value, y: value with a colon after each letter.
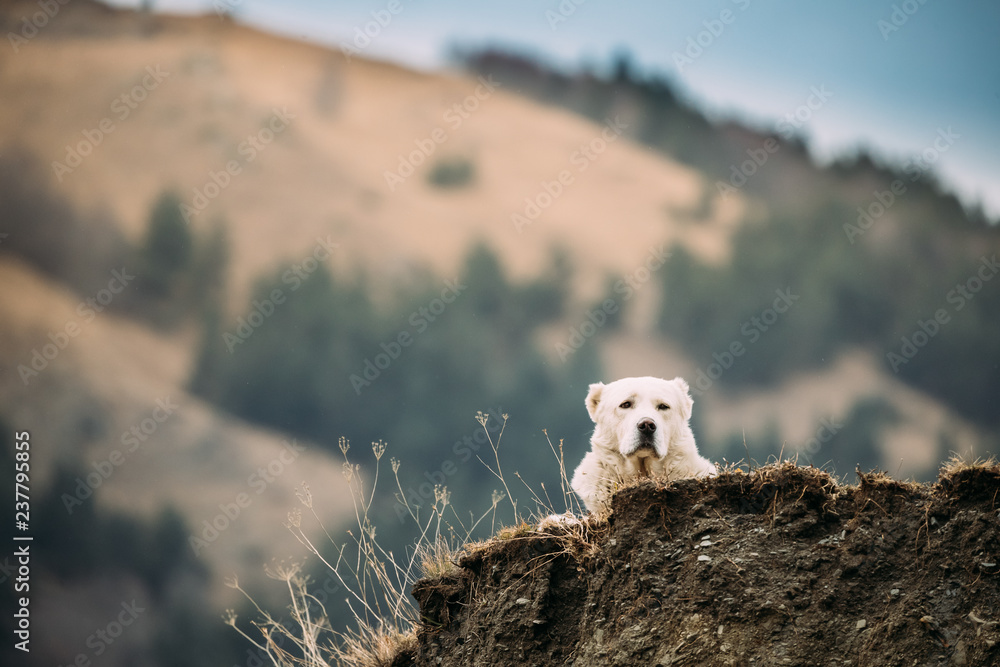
x: 778, y: 566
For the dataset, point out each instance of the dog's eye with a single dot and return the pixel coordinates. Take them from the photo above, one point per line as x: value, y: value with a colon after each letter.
x: 662, y: 406
x: 626, y: 405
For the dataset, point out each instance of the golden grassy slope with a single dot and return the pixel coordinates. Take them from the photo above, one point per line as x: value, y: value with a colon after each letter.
x: 325, y: 173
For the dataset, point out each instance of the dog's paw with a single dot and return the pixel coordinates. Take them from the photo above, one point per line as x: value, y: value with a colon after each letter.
x: 557, y: 523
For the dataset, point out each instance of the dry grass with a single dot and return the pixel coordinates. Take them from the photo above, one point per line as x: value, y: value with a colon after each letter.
x: 956, y: 465
x: 377, y: 582
x: 975, y: 481
x: 437, y: 559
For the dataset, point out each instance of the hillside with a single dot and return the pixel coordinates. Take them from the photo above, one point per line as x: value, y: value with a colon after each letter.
x: 784, y: 178
x: 349, y: 124
x: 781, y: 565
x: 118, y: 387
x: 324, y: 176
x: 151, y: 424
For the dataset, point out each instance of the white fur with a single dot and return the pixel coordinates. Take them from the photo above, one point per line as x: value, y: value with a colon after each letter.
x: 620, y: 450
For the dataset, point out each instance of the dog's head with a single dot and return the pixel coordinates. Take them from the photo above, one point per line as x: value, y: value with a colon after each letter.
x: 639, y: 416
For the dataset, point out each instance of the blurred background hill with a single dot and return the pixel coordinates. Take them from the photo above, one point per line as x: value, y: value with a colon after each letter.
x: 223, y: 250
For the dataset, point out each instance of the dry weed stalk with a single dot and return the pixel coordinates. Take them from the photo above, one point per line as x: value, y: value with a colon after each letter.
x: 376, y: 582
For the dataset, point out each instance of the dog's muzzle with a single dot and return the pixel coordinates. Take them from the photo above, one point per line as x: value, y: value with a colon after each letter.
x: 647, y: 432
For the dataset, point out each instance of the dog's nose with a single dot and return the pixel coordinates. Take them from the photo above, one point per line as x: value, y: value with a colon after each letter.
x: 647, y: 427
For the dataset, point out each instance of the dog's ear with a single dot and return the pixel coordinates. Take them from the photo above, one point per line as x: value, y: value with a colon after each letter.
x: 687, y: 403
x: 594, y: 399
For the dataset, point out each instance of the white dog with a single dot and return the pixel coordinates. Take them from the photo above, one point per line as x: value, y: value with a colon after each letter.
x: 642, y: 431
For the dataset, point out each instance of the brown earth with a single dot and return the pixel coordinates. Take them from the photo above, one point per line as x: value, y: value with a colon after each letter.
x: 781, y: 565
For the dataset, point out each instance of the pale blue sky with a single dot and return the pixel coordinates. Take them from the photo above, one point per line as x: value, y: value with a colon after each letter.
x: 891, y: 90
